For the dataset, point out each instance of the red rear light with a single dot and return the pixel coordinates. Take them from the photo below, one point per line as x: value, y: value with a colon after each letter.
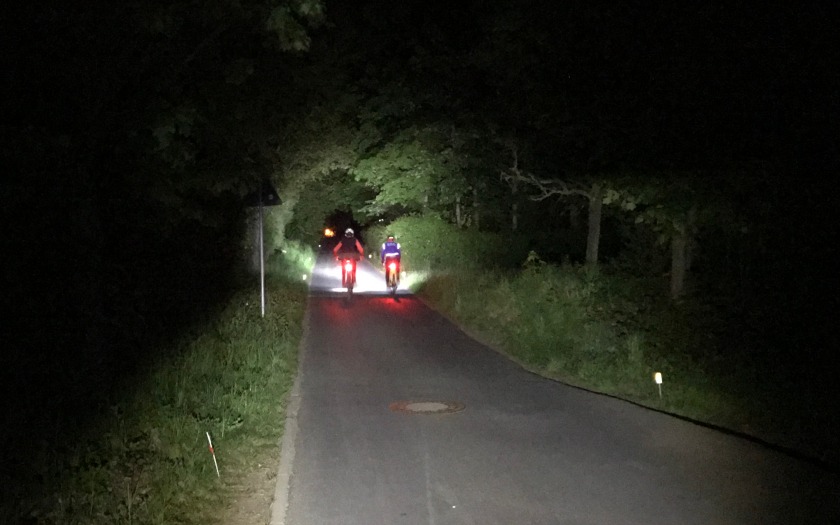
x: 392, y: 266
x: 348, y: 266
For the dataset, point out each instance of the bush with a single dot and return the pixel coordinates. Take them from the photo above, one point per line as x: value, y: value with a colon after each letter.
x: 293, y: 260
x: 429, y: 243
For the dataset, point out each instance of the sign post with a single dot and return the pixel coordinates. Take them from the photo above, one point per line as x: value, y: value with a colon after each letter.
x: 266, y: 195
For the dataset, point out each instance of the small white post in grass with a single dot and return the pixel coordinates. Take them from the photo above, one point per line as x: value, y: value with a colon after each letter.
x: 658, y: 378
x: 213, y: 453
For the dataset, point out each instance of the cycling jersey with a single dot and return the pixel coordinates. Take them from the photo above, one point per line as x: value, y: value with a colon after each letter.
x: 389, y: 250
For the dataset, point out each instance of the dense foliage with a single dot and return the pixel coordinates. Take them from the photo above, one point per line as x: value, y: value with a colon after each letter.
x: 429, y: 244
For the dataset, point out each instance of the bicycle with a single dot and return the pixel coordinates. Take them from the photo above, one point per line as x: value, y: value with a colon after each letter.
x: 348, y: 275
x: 392, y: 275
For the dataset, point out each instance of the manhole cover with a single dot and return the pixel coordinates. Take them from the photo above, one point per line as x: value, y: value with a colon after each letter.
x: 426, y: 407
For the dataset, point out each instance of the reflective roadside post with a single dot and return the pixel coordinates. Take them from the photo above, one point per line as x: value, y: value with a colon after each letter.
x: 657, y: 377
x: 266, y: 195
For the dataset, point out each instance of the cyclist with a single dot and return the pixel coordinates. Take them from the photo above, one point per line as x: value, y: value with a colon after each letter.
x: 390, y: 252
x: 348, y: 247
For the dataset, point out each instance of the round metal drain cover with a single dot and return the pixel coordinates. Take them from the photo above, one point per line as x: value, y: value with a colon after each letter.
x: 426, y: 407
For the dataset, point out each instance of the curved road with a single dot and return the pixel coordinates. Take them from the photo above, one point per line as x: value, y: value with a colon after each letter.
x: 523, y: 449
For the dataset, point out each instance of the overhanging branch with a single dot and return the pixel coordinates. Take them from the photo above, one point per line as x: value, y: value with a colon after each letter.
x: 546, y: 188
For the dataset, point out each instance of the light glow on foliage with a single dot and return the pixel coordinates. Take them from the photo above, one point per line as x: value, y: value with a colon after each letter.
x: 298, y: 259
x: 412, y: 280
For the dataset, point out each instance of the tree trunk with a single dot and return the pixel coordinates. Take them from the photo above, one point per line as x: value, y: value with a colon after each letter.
x: 593, y: 237
x: 691, y: 241
x: 514, y: 217
x: 514, y: 209
x: 678, y: 263
x: 476, y: 210
x: 574, y: 217
x: 254, y: 240
x: 681, y: 247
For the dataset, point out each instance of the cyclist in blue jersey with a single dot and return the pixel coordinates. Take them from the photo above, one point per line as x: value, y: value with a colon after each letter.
x: 389, y: 253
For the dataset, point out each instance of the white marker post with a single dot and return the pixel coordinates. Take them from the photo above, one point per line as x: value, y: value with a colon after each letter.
x: 658, y: 378
x: 213, y: 453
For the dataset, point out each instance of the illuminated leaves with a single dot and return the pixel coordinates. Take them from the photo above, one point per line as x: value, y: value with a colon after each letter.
x: 419, y: 169
x: 288, y: 23
x: 310, y: 9
x: 624, y: 200
x: 174, y: 136
x: 291, y: 34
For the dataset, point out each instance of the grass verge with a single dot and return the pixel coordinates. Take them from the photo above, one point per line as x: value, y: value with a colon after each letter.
x: 610, y: 334
x: 146, y: 458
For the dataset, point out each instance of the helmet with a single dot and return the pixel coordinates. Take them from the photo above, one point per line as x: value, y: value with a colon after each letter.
x: 390, y: 237
x: 348, y: 232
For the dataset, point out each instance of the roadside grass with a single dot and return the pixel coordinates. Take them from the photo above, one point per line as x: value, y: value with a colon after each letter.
x: 147, y: 460
x: 610, y: 333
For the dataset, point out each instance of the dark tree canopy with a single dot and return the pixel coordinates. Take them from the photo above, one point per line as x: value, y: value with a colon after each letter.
x: 132, y: 130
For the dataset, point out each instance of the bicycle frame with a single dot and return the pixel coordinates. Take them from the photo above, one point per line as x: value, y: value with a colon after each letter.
x: 392, y: 271
x: 348, y: 274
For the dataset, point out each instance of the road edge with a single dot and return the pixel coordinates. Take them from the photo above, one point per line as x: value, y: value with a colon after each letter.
x: 279, y: 505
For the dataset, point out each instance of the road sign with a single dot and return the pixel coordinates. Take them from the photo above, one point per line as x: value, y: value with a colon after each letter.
x: 266, y: 195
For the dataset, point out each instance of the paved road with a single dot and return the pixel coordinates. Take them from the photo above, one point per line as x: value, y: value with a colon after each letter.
x: 524, y: 450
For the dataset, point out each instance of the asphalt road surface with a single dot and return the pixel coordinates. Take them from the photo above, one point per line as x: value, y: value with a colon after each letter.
x: 398, y: 417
